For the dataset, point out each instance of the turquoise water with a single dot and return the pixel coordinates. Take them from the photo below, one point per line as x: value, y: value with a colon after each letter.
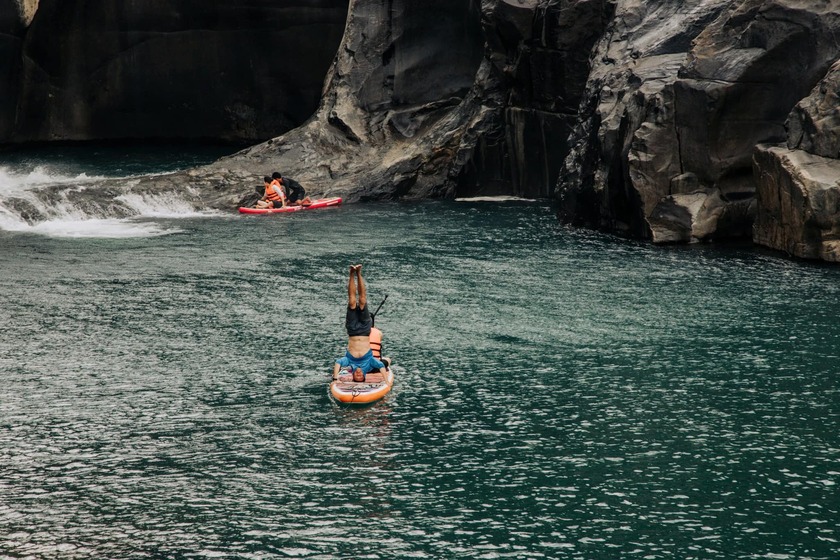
x: 559, y: 393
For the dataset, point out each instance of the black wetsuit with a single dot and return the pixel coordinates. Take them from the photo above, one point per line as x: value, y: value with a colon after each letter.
x: 294, y: 190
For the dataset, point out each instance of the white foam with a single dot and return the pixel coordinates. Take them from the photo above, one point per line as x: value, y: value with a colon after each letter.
x: 65, y: 220
x: 163, y: 205
x: 500, y: 198
x: 10, y: 221
x: 102, y: 228
x: 13, y: 182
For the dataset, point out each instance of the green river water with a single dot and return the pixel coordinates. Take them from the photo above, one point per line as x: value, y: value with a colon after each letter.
x: 559, y: 393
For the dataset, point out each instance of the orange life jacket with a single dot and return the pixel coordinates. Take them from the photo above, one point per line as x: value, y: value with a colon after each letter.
x: 376, y: 342
x: 271, y: 194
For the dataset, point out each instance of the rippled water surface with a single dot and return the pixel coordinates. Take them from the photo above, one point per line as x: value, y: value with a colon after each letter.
x: 559, y: 393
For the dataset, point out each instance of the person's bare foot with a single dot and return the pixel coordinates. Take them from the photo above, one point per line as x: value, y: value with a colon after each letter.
x: 357, y: 268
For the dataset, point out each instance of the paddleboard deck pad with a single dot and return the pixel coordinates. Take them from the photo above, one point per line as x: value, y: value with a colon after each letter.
x: 375, y: 386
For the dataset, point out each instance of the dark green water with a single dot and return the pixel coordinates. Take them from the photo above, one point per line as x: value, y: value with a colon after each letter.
x: 112, y: 159
x: 559, y: 393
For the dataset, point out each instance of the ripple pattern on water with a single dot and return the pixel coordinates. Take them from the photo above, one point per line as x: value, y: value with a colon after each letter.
x: 560, y: 394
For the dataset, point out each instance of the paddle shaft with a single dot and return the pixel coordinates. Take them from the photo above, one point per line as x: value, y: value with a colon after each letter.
x: 373, y: 315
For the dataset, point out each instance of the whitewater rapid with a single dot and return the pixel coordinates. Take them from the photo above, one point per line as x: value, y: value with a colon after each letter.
x: 44, y: 189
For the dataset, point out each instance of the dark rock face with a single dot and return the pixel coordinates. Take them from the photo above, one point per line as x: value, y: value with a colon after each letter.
x: 540, y: 51
x: 488, y: 117
x: 97, y: 69
x: 737, y: 89
x: 11, y: 43
x: 401, y: 109
x: 624, y: 157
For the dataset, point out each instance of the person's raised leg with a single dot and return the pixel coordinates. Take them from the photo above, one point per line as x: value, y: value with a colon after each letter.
x: 351, y: 289
x: 362, y: 287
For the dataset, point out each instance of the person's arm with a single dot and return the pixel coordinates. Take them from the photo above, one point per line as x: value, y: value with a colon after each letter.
x: 340, y: 363
x: 279, y: 190
x: 379, y: 364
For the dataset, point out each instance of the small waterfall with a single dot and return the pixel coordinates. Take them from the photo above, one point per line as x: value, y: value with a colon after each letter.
x: 47, y: 200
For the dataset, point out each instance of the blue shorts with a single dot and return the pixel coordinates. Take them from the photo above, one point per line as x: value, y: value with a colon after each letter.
x: 367, y: 362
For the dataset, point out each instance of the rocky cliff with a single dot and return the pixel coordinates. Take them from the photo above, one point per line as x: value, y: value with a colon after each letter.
x: 673, y: 121
x: 678, y: 101
x: 188, y: 69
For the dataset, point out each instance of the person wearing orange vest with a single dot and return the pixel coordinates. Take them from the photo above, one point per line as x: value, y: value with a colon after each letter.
x: 274, y: 196
x: 358, y: 358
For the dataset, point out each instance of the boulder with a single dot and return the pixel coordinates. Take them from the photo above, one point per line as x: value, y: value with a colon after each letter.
x: 747, y: 70
x: 799, y: 183
x: 687, y: 218
x: 798, y: 202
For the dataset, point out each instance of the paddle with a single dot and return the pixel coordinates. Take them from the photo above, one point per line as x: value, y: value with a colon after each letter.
x: 373, y: 315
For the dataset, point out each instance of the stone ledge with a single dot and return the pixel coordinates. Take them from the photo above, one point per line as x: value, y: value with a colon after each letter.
x: 798, y: 202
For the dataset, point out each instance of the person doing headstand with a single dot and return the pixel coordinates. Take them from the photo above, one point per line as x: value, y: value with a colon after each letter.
x: 359, y: 357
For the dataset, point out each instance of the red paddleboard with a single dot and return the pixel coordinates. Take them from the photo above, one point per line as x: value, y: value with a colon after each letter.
x: 320, y: 203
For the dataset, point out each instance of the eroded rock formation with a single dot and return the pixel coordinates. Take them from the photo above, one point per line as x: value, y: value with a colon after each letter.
x: 482, y: 105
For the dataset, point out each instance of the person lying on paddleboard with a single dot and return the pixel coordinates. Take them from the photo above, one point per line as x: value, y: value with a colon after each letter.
x: 359, y: 356
x: 295, y: 193
x: 274, y: 197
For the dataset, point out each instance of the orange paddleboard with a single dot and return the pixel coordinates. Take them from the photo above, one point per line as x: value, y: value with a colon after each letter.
x: 374, y: 387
